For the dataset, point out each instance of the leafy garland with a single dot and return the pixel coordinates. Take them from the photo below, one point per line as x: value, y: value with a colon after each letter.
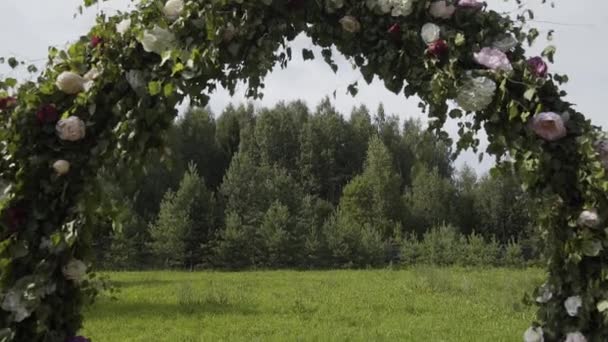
x: 110, y: 96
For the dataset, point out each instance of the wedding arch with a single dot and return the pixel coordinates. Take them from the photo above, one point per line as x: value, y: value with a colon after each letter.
x: 109, y: 97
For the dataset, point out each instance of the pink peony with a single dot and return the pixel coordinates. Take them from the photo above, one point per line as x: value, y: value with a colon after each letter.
x: 493, y: 59
x: 549, y: 126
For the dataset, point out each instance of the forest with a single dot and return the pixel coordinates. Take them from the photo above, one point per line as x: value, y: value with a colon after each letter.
x: 295, y: 187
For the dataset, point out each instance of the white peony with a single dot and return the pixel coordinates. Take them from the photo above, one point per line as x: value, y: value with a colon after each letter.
x: 549, y: 126
x: 350, y: 24
x: 534, y: 334
x: 545, y: 294
x: 173, y: 9
x: 442, y: 10
x: 157, y: 40
x: 402, y: 8
x: 575, y: 337
x: 588, y: 218
x: 430, y: 33
x: 476, y: 94
x: 506, y: 43
x: 572, y: 304
x: 123, y: 26
x: 13, y: 302
x: 75, y: 270
x: 71, y: 129
x: 70, y: 82
x: 62, y: 167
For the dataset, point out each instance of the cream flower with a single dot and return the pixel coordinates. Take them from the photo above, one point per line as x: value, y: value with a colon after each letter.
x: 575, y: 337
x: 350, y: 24
x: 545, y: 294
x: 173, y: 9
x: 157, y: 40
x: 62, y: 167
x: 602, y: 150
x: 13, y: 302
x: 430, y: 33
x: 588, y: 218
x: 534, y: 334
x: 441, y: 9
x: 476, y: 94
x: 71, y: 129
x: 549, y: 126
x: 70, y: 82
x: 493, y: 59
x: 506, y: 43
x: 402, y: 8
x: 75, y: 270
x: 123, y: 26
x: 92, y: 74
x: 572, y: 304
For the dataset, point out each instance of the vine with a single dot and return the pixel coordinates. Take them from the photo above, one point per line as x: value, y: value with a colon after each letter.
x: 108, y: 98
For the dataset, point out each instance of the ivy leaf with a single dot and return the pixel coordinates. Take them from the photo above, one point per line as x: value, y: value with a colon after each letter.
x: 529, y: 94
x: 549, y: 52
x: 307, y: 54
x: 12, y: 62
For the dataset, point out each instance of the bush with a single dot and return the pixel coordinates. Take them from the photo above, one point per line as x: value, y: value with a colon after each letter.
x: 441, y: 246
x: 476, y: 251
x: 513, y: 255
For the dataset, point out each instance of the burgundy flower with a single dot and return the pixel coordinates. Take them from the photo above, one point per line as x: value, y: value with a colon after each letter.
x: 95, y: 41
x: 394, y: 29
x: 47, y: 114
x: 78, y: 339
x: 538, y: 67
x: 15, y: 217
x: 7, y: 102
x: 438, y: 48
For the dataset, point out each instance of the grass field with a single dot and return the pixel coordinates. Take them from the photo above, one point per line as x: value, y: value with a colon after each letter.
x: 419, y: 304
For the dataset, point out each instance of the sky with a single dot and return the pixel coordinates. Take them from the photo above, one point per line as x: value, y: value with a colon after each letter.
x: 29, y: 27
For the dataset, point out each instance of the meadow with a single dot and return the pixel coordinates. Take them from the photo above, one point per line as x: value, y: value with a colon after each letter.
x: 415, y: 304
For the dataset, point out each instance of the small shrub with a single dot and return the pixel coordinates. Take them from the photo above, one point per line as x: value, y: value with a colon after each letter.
x: 513, y: 255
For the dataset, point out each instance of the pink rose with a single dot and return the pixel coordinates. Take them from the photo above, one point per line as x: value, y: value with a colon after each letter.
x: 441, y: 9
x: 538, y: 67
x: 470, y: 4
x: 549, y: 126
x: 493, y: 59
x: 95, y: 41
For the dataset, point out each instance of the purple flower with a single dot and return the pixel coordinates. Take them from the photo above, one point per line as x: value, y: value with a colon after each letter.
x: 470, y: 4
x: 78, y: 339
x: 549, y: 126
x: 493, y: 59
x: 538, y: 67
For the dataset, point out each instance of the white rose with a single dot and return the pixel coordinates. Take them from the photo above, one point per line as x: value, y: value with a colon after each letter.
x: 575, y: 337
x: 350, y: 24
x: 75, y: 270
x: 549, y: 126
x: 545, y: 294
x: 157, y: 40
x: 572, y: 304
x: 70, y: 82
x: 505, y: 44
x: 71, y: 129
x: 173, y: 9
x: 441, y: 9
x: 588, y: 218
x: 402, y: 8
x: 62, y: 167
x: 430, y: 33
x: 476, y: 94
x: 123, y: 26
x: 385, y: 6
x: 534, y: 334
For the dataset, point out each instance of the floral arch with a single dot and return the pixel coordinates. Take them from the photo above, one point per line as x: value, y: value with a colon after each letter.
x: 109, y: 97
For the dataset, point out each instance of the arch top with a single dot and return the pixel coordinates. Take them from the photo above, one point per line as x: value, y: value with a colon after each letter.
x: 109, y: 97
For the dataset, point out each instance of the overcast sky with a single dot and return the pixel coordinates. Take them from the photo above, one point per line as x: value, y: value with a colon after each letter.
x: 29, y: 27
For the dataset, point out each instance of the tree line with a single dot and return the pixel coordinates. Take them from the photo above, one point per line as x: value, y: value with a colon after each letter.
x: 291, y: 186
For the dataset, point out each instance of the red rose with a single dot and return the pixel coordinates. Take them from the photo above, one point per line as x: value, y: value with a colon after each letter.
x: 438, y: 48
x: 7, y: 102
x: 394, y: 29
x: 47, y: 114
x: 96, y: 40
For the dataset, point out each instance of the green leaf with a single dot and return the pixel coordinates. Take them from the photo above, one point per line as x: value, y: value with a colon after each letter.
x: 154, y: 88
x: 12, y: 62
x: 168, y: 89
x: 602, y: 306
x: 529, y: 94
x: 307, y: 54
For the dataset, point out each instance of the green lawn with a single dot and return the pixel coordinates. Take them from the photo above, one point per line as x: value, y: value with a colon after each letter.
x: 419, y: 304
